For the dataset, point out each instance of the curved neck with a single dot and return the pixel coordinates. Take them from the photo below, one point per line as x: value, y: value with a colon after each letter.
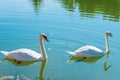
x: 43, y: 52
x: 107, y: 44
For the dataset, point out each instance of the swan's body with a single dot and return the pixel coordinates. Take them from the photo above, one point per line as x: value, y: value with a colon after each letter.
x: 91, y: 51
x: 87, y: 51
x: 23, y: 55
x: 27, y: 54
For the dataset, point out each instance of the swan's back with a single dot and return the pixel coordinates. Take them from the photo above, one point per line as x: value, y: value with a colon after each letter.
x: 23, y: 54
x: 87, y: 51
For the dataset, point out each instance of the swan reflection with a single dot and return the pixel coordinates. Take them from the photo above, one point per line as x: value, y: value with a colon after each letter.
x: 23, y: 63
x: 90, y: 60
x: 42, y: 70
x: 84, y: 59
x: 107, y: 67
x: 28, y: 63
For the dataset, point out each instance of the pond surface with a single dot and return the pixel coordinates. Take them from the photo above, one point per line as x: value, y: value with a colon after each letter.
x: 69, y: 24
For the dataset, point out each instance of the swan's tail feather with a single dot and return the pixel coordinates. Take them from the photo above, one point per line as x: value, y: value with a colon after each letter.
x: 71, y: 53
x: 4, y: 52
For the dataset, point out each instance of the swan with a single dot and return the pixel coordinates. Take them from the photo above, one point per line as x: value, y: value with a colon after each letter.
x: 91, y: 51
x: 24, y: 54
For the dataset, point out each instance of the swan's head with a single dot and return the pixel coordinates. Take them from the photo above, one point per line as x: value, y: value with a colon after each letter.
x: 43, y: 35
x: 108, y: 33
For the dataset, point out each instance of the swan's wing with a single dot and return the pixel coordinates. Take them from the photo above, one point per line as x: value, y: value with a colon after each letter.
x: 88, y: 51
x: 24, y: 54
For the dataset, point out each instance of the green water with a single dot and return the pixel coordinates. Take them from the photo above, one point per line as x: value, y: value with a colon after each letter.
x: 69, y: 24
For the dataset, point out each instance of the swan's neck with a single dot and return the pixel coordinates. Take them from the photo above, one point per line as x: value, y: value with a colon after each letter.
x: 43, y: 52
x: 107, y: 44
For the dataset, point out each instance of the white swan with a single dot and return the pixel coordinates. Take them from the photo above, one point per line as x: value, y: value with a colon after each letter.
x: 91, y: 51
x: 27, y: 54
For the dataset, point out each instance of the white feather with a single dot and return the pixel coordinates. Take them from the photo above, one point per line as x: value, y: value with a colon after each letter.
x: 87, y: 51
x: 22, y: 54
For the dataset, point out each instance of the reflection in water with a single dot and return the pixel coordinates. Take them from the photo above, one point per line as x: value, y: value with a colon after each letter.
x: 91, y: 60
x: 105, y: 63
x: 27, y: 63
x: 89, y: 8
x: 106, y: 67
x: 23, y: 63
x: 36, y: 4
x: 43, y: 65
x: 87, y: 60
x: 69, y: 4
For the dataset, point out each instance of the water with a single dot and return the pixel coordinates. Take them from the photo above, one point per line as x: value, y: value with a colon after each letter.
x: 69, y: 24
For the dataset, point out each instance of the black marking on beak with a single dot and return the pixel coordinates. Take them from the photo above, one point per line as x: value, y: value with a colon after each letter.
x: 111, y: 35
x: 45, y: 37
